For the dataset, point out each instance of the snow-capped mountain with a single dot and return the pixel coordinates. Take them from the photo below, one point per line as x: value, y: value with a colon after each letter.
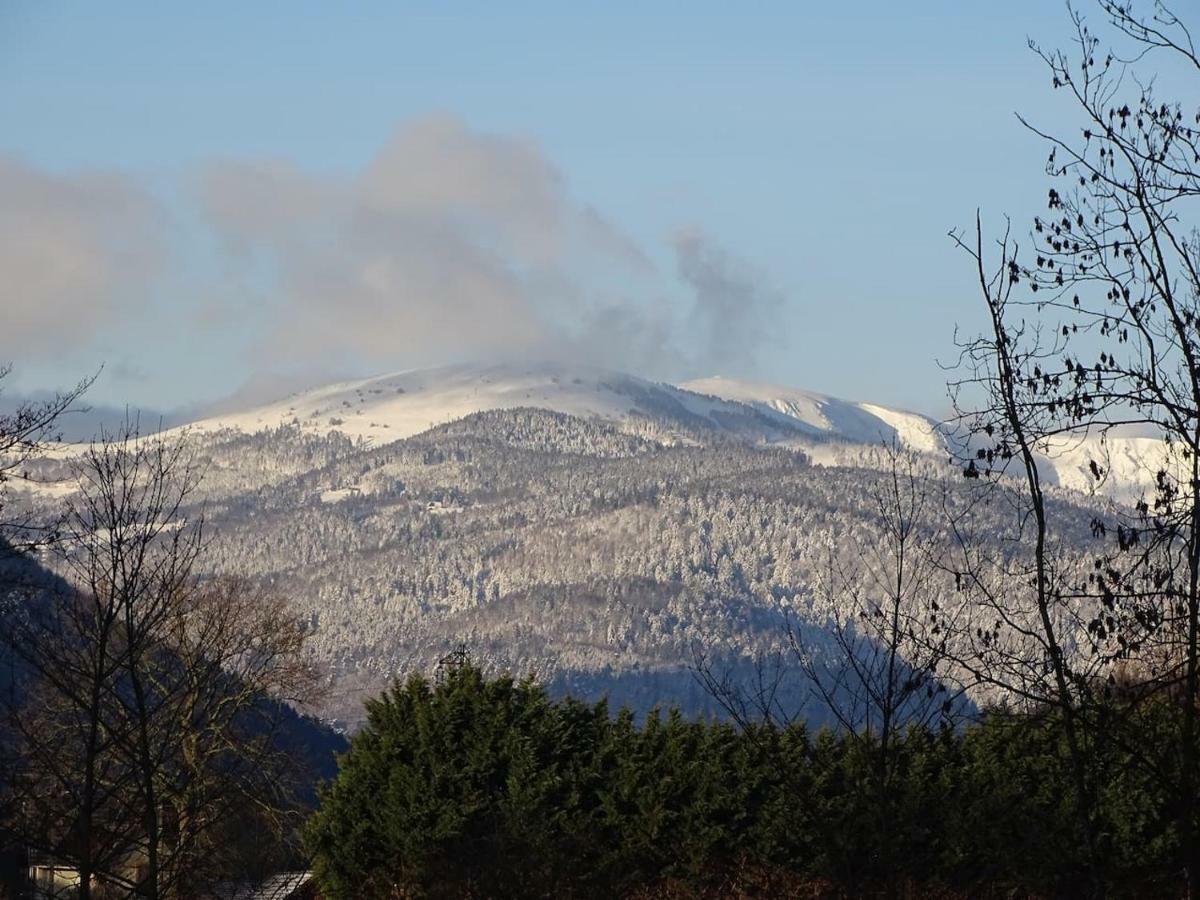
x: 398, y: 405
x: 585, y: 525
x: 830, y: 431
x: 389, y: 407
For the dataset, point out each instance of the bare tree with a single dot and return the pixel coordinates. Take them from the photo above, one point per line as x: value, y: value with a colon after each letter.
x: 1016, y: 601
x: 239, y: 656
x: 27, y: 431
x: 1107, y: 319
x: 133, y: 542
x: 873, y: 654
x: 166, y: 692
x: 25, y: 434
x: 883, y: 669
x: 881, y: 595
x: 72, y: 792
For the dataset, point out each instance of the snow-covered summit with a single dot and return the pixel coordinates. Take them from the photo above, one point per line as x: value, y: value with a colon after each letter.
x: 832, y: 431
x: 401, y: 404
x: 398, y: 405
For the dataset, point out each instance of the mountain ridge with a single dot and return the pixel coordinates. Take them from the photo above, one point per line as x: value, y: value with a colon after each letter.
x: 830, y: 431
x: 597, y: 548
x: 401, y: 404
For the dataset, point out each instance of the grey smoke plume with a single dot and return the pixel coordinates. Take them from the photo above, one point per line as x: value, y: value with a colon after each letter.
x: 734, y: 306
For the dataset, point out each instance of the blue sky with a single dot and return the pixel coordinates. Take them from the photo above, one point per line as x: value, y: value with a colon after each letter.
x: 819, y: 151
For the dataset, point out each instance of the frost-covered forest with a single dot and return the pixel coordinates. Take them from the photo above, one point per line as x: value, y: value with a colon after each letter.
x: 598, y: 556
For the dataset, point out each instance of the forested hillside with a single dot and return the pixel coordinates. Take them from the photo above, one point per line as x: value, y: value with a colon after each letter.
x: 598, y: 557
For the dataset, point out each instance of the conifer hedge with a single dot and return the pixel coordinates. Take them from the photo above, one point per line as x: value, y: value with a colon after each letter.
x: 485, y: 787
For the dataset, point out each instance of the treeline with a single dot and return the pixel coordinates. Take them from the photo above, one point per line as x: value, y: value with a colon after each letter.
x: 485, y: 787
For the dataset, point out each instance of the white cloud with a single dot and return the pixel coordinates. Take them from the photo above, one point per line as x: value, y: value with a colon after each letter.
x: 77, y: 252
x: 450, y: 243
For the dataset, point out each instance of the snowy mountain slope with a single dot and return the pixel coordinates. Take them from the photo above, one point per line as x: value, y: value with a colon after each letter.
x: 1130, y: 463
x: 399, y: 405
x: 390, y: 407
x: 823, y: 416
x: 830, y: 431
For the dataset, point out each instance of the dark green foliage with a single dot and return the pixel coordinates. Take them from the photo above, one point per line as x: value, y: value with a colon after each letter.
x: 481, y: 787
